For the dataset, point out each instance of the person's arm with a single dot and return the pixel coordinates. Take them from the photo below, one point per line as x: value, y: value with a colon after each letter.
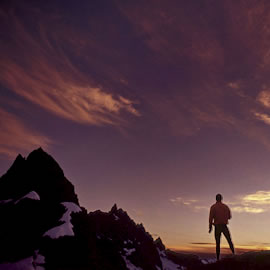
x: 211, y: 217
x: 229, y: 213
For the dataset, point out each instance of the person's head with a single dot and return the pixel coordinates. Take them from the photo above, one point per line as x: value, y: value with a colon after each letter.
x: 219, y: 197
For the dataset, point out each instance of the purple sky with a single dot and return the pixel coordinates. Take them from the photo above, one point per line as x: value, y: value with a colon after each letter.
x: 153, y: 105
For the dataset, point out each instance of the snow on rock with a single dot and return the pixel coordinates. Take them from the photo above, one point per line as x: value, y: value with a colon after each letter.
x: 130, y: 265
x: 25, y: 264
x: 65, y: 229
x: 115, y: 217
x: 128, y: 242
x: 39, y: 259
x: 6, y: 201
x: 207, y: 261
x: 129, y: 251
x: 168, y: 264
x: 31, y: 195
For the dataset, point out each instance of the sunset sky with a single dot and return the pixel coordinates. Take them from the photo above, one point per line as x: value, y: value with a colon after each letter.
x: 154, y: 105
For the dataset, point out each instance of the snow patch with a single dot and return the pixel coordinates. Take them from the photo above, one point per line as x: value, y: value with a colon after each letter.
x: 168, y: 264
x: 6, y: 201
x: 39, y: 259
x: 25, y: 264
x: 128, y: 242
x: 116, y: 217
x: 130, y: 265
x: 207, y: 261
x: 129, y: 251
x: 65, y: 229
x: 31, y: 195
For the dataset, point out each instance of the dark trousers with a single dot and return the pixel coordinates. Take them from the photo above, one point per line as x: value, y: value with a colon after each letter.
x: 222, y: 228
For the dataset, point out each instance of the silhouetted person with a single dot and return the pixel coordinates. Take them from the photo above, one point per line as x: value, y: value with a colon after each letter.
x: 219, y: 216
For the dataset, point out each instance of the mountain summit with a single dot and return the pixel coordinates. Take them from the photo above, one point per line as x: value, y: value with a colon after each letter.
x: 43, y: 226
x: 39, y: 172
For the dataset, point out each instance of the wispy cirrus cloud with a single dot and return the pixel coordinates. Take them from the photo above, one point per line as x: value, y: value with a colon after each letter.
x: 264, y: 98
x: 194, y: 204
x: 261, y: 197
x: 180, y: 200
x: 16, y: 138
x: 263, y: 117
x: 253, y: 203
x: 248, y: 209
x: 72, y: 69
x: 47, y: 76
x: 221, y: 83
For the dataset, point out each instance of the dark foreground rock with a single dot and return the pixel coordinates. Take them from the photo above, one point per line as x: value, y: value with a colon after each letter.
x: 43, y: 226
x: 248, y: 261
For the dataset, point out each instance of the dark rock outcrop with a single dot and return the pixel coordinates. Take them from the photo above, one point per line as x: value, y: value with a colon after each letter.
x: 248, y: 261
x: 33, y: 196
x: 38, y: 172
x: 24, y: 219
x: 159, y: 244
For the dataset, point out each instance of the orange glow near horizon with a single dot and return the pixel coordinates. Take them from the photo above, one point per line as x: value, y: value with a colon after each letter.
x: 210, y: 248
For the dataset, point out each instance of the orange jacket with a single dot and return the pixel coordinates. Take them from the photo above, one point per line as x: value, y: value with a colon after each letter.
x: 219, y: 213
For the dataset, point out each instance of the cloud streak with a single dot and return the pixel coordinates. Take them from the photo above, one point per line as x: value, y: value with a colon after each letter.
x: 264, y: 98
x: 47, y: 76
x: 16, y: 138
x: 193, y: 204
x: 254, y: 203
x: 180, y: 200
x: 263, y: 117
x: 260, y: 197
x: 85, y: 75
x: 220, y: 82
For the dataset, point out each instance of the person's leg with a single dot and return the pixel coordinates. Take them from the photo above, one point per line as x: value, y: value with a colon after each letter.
x: 227, y: 235
x: 217, y: 237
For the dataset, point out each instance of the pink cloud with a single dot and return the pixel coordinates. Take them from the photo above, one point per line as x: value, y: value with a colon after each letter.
x: 46, y: 76
x: 16, y: 138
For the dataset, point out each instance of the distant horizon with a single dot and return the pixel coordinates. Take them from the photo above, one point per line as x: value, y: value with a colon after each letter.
x: 203, y: 249
x: 212, y: 249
